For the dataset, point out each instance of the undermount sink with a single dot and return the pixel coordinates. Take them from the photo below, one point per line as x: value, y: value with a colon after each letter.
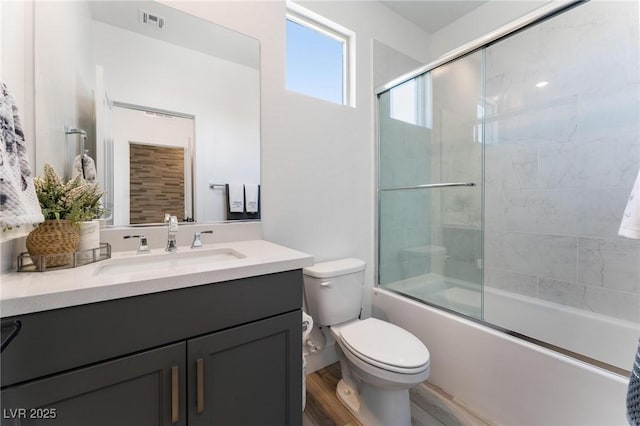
x: 167, y: 261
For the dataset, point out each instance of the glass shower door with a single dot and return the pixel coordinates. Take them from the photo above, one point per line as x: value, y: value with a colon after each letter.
x: 430, y: 187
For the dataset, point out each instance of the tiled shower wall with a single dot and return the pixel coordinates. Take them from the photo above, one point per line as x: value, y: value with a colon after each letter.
x: 404, y: 149
x: 435, y: 230
x: 404, y: 215
x: 560, y: 160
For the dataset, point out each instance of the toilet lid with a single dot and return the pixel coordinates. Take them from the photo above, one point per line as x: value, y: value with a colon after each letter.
x: 385, y: 344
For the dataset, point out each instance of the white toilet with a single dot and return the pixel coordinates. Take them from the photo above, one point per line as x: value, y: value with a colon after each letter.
x: 380, y: 361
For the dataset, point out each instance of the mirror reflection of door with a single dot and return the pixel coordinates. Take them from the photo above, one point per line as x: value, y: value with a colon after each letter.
x: 153, y: 167
x: 156, y: 182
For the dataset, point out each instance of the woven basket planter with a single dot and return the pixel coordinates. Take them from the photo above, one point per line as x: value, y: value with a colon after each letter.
x: 56, y: 240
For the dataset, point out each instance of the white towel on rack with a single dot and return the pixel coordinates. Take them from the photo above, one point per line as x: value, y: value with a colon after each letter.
x: 19, y: 203
x: 630, y: 226
x: 252, y: 192
x: 236, y: 197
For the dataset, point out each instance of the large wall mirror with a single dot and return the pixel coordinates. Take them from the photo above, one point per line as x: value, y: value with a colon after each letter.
x: 156, y: 91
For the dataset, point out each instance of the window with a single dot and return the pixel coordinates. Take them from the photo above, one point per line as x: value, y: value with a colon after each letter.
x: 411, y: 101
x: 319, y: 56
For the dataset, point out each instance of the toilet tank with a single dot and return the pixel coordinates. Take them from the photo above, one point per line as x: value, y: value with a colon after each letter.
x: 334, y: 290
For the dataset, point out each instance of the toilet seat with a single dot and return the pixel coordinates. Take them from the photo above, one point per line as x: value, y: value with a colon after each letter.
x: 385, y: 345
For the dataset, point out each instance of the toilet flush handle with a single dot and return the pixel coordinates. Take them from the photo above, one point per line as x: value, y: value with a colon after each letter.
x: 328, y: 284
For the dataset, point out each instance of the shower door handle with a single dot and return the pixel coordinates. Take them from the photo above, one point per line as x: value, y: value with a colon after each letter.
x: 429, y: 185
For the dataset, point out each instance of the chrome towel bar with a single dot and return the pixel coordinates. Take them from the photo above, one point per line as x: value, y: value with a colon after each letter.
x: 429, y: 185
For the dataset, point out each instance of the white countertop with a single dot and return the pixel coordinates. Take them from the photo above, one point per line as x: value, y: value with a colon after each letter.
x: 28, y: 292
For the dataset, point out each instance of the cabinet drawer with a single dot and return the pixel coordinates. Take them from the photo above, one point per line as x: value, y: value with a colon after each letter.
x: 62, y: 339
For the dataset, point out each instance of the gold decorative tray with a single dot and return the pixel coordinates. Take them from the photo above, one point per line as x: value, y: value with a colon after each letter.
x: 28, y: 263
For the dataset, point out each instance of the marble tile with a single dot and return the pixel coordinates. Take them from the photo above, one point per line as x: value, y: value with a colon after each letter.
x: 405, y: 157
x: 460, y: 206
x: 608, y: 113
x: 502, y: 279
x: 392, y: 242
x: 589, y: 212
x: 543, y: 50
x: 462, y: 243
x: 599, y: 212
x: 612, y: 263
x: 562, y: 292
x: 416, y: 267
x: 600, y: 163
x: 390, y: 271
x: 555, y: 122
x: 549, y: 256
x: 616, y: 304
x: 559, y: 161
x: 520, y: 167
x: 463, y: 270
x: 530, y: 211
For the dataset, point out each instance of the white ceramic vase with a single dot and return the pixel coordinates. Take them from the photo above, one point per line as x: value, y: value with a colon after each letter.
x: 89, y: 237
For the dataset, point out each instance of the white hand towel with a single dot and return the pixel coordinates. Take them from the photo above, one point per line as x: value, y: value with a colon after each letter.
x: 252, y: 192
x: 19, y: 203
x: 630, y: 226
x: 236, y: 197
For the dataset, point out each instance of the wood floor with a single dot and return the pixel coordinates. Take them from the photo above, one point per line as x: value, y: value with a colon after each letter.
x: 430, y: 406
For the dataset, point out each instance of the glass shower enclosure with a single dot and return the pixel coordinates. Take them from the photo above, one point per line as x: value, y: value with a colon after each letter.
x: 430, y: 187
x: 503, y: 174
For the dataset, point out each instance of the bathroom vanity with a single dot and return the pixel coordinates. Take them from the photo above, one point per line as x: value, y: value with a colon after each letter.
x: 218, y: 345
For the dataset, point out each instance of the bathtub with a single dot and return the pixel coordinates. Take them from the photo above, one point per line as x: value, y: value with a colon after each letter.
x: 593, y: 335
x: 509, y: 380
x: 596, y: 336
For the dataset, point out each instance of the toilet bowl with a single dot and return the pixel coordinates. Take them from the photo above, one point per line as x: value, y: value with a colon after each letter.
x: 379, y: 361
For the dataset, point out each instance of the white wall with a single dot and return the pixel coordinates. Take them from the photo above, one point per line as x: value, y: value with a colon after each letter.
x: 16, y: 71
x: 317, y: 157
x: 480, y: 21
x: 64, y: 82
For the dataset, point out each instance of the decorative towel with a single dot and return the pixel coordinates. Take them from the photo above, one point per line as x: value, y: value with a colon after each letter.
x: 18, y: 200
x: 252, y: 192
x: 236, y: 197
x: 84, y: 166
x: 630, y: 226
x: 633, y: 392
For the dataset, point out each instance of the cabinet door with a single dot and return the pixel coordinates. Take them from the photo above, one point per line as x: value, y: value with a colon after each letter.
x: 138, y: 390
x: 248, y: 375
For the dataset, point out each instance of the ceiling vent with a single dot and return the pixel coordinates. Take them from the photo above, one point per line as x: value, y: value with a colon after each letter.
x: 150, y: 19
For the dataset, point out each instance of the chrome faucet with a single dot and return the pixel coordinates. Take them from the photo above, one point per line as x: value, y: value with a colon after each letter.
x: 143, y: 248
x: 172, y: 228
x: 197, y: 239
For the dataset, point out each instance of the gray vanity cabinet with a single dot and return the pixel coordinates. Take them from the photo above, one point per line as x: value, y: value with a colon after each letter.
x: 139, y: 390
x: 225, y: 353
x: 243, y: 376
